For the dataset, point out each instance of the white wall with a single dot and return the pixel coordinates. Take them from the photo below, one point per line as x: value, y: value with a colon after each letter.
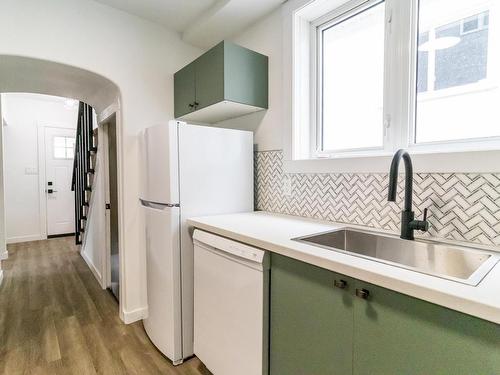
x: 24, y: 114
x: 266, y: 37
x: 140, y: 58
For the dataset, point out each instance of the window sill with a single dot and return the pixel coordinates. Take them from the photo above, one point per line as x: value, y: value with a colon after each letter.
x: 448, y: 162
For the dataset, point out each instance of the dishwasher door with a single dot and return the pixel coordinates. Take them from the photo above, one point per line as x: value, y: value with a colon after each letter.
x: 231, y: 292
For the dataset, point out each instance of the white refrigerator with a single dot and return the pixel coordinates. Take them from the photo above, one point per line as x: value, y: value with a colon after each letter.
x: 188, y: 170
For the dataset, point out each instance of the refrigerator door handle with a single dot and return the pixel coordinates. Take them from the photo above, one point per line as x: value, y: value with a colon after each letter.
x: 158, y: 206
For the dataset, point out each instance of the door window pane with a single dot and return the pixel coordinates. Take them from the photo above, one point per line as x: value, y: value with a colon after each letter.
x: 352, y: 81
x: 457, y: 89
x: 64, y: 147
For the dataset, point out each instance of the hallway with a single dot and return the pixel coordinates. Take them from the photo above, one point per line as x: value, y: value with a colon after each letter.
x: 55, y: 319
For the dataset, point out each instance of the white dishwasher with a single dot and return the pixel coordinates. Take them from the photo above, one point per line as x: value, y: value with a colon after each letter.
x: 231, y: 291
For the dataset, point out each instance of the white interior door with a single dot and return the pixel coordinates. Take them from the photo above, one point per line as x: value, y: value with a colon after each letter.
x: 59, y: 153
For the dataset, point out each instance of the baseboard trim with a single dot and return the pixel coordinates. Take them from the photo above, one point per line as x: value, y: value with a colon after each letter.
x: 34, y: 237
x: 4, y: 255
x: 94, y: 270
x: 133, y: 316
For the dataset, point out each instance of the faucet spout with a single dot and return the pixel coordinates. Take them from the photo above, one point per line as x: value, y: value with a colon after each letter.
x: 393, y: 178
x: 408, y: 222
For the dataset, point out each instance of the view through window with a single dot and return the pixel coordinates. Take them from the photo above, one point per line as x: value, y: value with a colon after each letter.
x: 457, y: 88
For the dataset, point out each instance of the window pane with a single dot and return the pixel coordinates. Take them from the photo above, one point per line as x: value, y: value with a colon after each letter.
x: 353, y: 78
x: 457, y: 92
x: 70, y: 142
x: 70, y: 153
x: 59, y: 141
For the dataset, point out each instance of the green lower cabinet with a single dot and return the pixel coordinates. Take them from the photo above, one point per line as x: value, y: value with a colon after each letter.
x: 396, y: 334
x: 311, y: 321
x: 357, y: 328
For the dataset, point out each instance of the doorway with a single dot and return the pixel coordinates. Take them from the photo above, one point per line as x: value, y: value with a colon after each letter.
x: 112, y: 206
x: 38, y: 132
x: 60, y: 199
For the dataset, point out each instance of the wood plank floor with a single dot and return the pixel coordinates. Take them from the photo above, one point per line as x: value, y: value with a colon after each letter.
x: 55, y: 319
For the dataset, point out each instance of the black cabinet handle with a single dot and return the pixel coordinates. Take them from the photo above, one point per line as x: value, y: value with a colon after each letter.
x: 341, y: 284
x: 191, y: 105
x: 196, y: 104
x: 362, y: 293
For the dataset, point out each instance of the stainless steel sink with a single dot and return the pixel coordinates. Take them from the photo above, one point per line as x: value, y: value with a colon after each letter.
x: 462, y: 264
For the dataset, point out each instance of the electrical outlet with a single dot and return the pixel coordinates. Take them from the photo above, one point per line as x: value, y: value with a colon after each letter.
x: 287, y: 186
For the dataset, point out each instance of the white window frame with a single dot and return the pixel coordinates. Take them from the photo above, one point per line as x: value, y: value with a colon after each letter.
x: 300, y: 62
x: 319, y: 25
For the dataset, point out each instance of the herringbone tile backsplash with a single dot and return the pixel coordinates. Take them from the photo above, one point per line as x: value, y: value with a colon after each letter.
x: 463, y: 207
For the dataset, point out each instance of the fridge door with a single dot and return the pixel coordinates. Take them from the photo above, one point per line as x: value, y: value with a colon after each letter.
x: 160, y: 164
x: 164, y: 323
x: 215, y: 177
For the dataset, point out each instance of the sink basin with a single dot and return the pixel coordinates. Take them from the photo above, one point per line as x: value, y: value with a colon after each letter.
x: 462, y: 264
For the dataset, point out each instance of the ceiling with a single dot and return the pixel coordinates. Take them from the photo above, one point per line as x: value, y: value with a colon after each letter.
x: 202, y: 23
x: 174, y: 14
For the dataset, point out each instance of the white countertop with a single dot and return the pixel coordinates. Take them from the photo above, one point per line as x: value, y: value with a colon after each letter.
x: 273, y: 232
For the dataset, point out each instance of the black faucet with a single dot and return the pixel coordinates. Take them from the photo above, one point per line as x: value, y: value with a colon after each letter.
x: 408, y: 222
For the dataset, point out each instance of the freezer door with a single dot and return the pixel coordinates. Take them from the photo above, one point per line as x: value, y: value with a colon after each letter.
x: 164, y: 324
x: 216, y: 170
x: 160, y: 164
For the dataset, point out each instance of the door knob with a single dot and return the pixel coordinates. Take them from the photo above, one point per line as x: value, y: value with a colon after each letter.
x: 362, y: 293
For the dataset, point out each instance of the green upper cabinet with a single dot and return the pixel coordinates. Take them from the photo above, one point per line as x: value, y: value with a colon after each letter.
x: 225, y: 82
x: 397, y: 334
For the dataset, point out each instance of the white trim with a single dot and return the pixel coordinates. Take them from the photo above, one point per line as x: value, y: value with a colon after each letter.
x: 1, y: 276
x: 92, y: 267
x: 121, y: 203
x: 133, y: 316
x: 42, y: 198
x: 4, y: 255
x: 103, y: 118
x: 28, y: 238
x: 444, y: 162
x: 107, y: 112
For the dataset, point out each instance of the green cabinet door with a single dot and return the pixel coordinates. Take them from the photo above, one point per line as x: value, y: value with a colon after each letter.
x: 395, y: 334
x: 184, y: 89
x: 311, y: 321
x: 210, y: 77
x: 245, y: 76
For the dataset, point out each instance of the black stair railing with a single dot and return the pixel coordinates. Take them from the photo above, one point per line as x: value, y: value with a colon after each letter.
x: 83, y: 167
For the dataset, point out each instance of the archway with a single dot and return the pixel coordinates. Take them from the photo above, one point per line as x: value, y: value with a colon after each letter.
x: 20, y: 74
